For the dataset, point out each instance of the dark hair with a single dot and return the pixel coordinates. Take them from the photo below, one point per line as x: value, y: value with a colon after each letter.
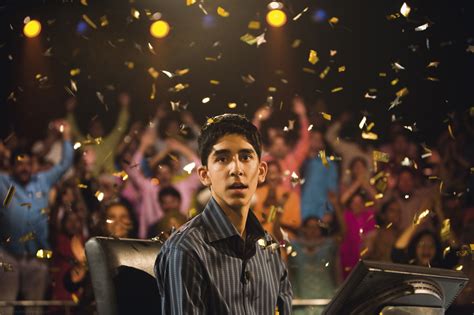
x: 437, y: 259
x: 18, y: 152
x: 219, y: 126
x: 168, y: 191
x: 120, y: 202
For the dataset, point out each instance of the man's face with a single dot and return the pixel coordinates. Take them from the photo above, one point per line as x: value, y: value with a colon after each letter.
x: 96, y: 129
x: 279, y: 148
x: 233, y: 171
x: 164, y: 174
x: 316, y: 142
x: 170, y: 203
x: 274, y: 175
x: 406, y: 183
x: 22, y: 169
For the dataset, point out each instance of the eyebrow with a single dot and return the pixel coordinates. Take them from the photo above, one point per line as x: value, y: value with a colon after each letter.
x: 225, y: 151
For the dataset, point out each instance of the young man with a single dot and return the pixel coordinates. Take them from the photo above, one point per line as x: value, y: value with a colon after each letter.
x: 213, y: 264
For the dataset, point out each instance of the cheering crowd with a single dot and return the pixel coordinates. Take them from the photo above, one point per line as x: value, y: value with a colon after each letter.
x: 331, y: 196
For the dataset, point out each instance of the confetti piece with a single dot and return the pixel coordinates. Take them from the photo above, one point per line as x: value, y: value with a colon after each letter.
x: 300, y: 14
x: 326, y: 116
x: 296, y: 43
x: 103, y: 21
x: 445, y: 230
x: 222, y: 12
x: 325, y: 72
x: 341, y: 69
x: 380, y: 156
x: 27, y: 237
x: 362, y: 122
x: 189, y: 167
x: 44, y: 254
x: 205, y: 100
x: 178, y: 87
x: 254, y: 25
x: 369, y: 136
x: 313, y: 57
x: 7, y: 267
x: 338, y: 89
x: 167, y: 73
x: 417, y: 219
x: 99, y: 195
x: 151, y: 49
x: 135, y: 13
x: 334, y: 20
x: 364, y: 251
x: 369, y: 203
x: 232, y: 105
x: 367, y: 95
x: 403, y: 92
x: 422, y: 27
x: 214, y: 82
x: 272, y: 215
x: 89, y: 21
x: 405, y: 9
x: 272, y: 89
x: 84, y: 2
x: 450, y: 130
x: 9, y: 196
x: 190, y: 2
x: 248, y: 39
x: 382, y: 74
x: 322, y: 155
x: 433, y: 64
x: 181, y: 72
x: 459, y: 267
x: 308, y: 70
x: 332, y: 53
x: 122, y: 174
x: 153, y: 91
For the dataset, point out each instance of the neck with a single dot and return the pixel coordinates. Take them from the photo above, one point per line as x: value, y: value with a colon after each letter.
x: 237, y: 216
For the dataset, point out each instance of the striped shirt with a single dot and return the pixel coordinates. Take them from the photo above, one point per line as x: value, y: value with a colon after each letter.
x: 207, y: 268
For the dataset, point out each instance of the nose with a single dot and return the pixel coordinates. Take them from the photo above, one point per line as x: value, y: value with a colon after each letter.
x: 236, y: 167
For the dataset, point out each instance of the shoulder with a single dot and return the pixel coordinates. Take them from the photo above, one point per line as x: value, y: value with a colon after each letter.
x: 188, y: 237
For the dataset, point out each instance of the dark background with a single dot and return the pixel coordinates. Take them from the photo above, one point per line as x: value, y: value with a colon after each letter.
x: 367, y: 43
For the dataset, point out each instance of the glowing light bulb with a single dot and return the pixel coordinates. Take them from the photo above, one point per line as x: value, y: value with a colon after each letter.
x: 159, y: 29
x: 32, y: 29
x: 276, y: 18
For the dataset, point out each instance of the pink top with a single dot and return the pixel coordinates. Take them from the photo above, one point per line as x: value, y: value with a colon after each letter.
x: 148, y: 209
x: 357, y: 226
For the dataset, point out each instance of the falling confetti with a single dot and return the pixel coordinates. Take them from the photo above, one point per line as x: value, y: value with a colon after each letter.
x: 380, y: 156
x: 9, y: 196
x: 44, y: 254
x: 324, y: 160
x: 313, y: 57
x: 89, y: 21
x: 405, y: 9
x: 189, y: 167
x: 222, y: 12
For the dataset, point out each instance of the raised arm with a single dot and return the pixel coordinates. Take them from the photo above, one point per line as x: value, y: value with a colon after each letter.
x: 301, y: 149
x: 121, y: 125
x: 71, y: 104
x: 133, y: 169
x: 181, y: 283
x: 333, y: 199
x: 262, y: 114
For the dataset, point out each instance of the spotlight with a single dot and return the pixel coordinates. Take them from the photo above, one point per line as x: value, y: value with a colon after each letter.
x: 159, y: 29
x: 32, y: 28
x: 276, y: 18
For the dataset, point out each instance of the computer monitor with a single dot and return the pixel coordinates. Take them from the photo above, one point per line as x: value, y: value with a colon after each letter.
x: 388, y: 288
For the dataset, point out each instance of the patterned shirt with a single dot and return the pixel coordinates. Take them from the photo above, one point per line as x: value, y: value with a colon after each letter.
x: 207, y: 268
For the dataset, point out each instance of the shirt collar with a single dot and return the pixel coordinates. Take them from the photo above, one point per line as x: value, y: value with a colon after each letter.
x: 218, y: 225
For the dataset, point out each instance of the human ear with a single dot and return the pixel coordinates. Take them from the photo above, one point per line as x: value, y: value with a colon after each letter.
x: 262, y: 171
x: 204, y: 175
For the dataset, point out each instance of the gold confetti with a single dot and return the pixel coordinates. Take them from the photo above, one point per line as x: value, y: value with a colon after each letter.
x: 249, y: 39
x: 379, y: 196
x: 432, y: 79
x: 222, y: 12
x: 254, y: 25
x: 394, y: 81
x: 151, y: 49
x: 341, y: 69
x: 422, y: 27
x: 300, y: 14
x: 322, y: 155
x: 389, y: 225
x: 155, y: 181
x: 313, y: 57
x: 92, y: 141
x: 44, y: 254
x: 296, y: 43
x: 369, y: 135
x: 74, y: 72
x: 334, y: 20
x: 402, y: 92
x: 364, y: 251
x: 338, y: 89
x: 84, y: 2
x: 214, y: 82
x: 74, y: 298
x: 135, y: 13
x: 309, y: 70
x: 405, y: 9
x: 232, y: 105
x: 272, y: 214
x: 326, y: 116
x: 82, y: 186
x: 99, y: 195
x: 190, y: 2
x: 332, y: 53
x: 9, y: 196
x: 178, y: 87
x: 181, y: 71
x: 27, y: 237
x: 323, y: 74
x: 153, y: 91
x: 380, y: 156
x: 445, y: 230
x: 450, y: 130
x: 130, y: 65
x: 382, y: 74
x: 369, y: 203
x: 122, y: 174
x: 188, y: 168
x: 458, y: 267
x: 417, y: 219
x: 89, y: 21
x: 103, y: 21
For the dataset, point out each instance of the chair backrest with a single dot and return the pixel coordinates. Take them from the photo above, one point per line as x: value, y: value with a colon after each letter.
x: 122, y: 274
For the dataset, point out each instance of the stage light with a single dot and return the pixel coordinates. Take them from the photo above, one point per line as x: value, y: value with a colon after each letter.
x: 276, y: 18
x: 274, y: 5
x: 159, y: 29
x: 32, y: 28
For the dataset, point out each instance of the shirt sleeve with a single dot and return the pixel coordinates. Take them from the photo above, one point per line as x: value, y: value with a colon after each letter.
x: 285, y: 294
x: 113, y: 138
x: 181, y: 283
x: 53, y: 175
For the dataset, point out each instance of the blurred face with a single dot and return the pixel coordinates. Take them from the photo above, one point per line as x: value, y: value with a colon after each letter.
x: 358, y: 169
x: 400, y: 144
x: 406, y: 183
x: 172, y: 129
x: 316, y: 142
x: 118, y: 221
x: 96, y: 130
x: 311, y: 230
x: 68, y: 196
x: 273, y: 177
x: 279, y: 148
x: 164, y: 174
x: 425, y: 250
x: 393, y: 214
x: 170, y: 203
x: 357, y: 204
x: 22, y: 169
x: 233, y: 171
x: 72, y: 225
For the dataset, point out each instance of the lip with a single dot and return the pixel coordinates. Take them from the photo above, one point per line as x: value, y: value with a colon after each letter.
x: 243, y: 186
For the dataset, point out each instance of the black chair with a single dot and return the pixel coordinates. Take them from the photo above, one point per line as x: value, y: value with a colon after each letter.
x: 122, y: 275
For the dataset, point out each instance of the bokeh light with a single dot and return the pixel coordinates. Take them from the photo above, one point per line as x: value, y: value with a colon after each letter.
x: 276, y: 18
x: 159, y: 29
x: 32, y: 29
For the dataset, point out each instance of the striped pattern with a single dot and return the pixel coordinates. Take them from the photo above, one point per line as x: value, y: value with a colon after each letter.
x: 206, y: 268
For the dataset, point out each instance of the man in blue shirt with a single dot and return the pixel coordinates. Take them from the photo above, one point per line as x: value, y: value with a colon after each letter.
x: 24, y: 223
x: 320, y: 178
